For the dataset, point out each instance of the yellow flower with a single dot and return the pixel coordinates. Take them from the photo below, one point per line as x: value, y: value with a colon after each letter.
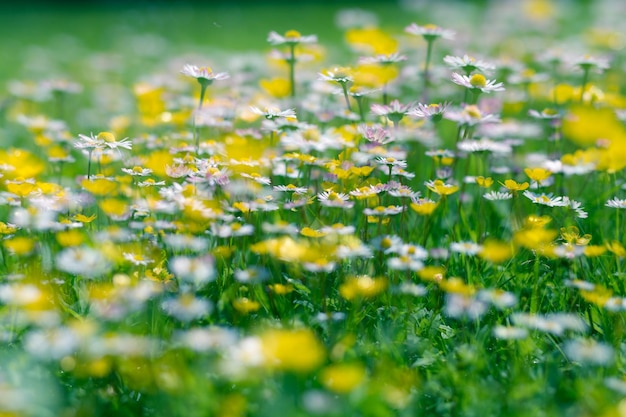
x: 21, y: 187
x: 308, y: 232
x: 616, y: 248
x: 441, y: 188
x: 158, y: 161
x: 598, y: 296
x: 371, y: 40
x: 5, y: 229
x: 362, y: 286
x: 71, y: 237
x: 342, y: 378
x: 537, y: 221
x: 572, y: 236
x: 19, y: 245
x: 281, y: 289
x: 276, y: 87
x: 22, y: 163
x: 424, y: 207
x: 100, y: 186
x: 496, y: 252
x: 457, y: 286
x: 113, y: 207
x: 432, y: 273
x: 245, y: 305
x: 84, y: 219
x: 538, y: 174
x: 292, y: 350
x: 594, y: 250
x: 514, y: 186
x: 534, y: 238
x: 484, y: 182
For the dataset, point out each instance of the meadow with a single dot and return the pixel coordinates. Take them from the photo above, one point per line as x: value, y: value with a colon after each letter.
x: 375, y: 209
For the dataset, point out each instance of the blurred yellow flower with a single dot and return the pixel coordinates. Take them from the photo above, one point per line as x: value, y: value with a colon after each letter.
x: 342, y: 378
x: 292, y: 350
x: 362, y: 286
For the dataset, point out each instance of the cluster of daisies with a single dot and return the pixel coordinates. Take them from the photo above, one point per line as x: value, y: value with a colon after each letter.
x: 274, y: 219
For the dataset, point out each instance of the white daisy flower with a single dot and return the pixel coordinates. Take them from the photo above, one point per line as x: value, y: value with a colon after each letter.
x: 616, y: 203
x: 82, y: 261
x: 430, y: 32
x: 187, y: 307
x: 203, y: 74
x: 477, y: 82
x: 471, y: 116
x: 497, y: 196
x: 429, y: 111
x: 291, y: 37
x: 468, y: 64
x: 271, y: 113
x: 589, y: 351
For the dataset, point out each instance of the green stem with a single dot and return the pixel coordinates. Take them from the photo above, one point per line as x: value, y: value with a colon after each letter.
x: 344, y: 87
x: 292, y: 69
x: 584, y: 84
x: 429, y: 50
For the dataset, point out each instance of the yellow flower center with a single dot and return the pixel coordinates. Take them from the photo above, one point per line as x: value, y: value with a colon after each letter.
x: 106, y: 136
x: 292, y: 34
x: 473, y: 112
x: 478, y: 81
x: 430, y: 26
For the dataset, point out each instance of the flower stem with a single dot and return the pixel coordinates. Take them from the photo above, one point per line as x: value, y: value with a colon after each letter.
x: 344, y: 87
x: 429, y: 51
x: 292, y: 69
x: 584, y: 83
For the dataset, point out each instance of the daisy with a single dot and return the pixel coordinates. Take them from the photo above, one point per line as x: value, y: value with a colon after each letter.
x: 394, y: 111
x: 82, y: 261
x: 291, y: 37
x: 430, y: 32
x: 391, y: 161
x: 405, y: 263
x: 465, y: 248
x: 497, y: 196
x: 204, y: 75
x: 403, y: 191
x: 271, y: 113
x: 409, y: 288
x: 341, y: 75
x: 468, y: 64
x: 251, y: 275
x: 384, y: 59
x: 588, y: 62
x: 194, y: 270
x: 545, y: 114
x: 484, y: 145
x: 589, y: 351
x: 463, y: 306
x: 441, y: 188
x: 291, y: 188
x: 471, y: 116
x: 383, y: 211
x: 187, y: 307
x: 137, y: 171
x: 545, y: 199
x: 477, y: 82
x: 429, y: 111
x: 616, y: 203
x: 330, y: 198
x: 136, y: 259
x: 509, y: 332
x: 375, y: 134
